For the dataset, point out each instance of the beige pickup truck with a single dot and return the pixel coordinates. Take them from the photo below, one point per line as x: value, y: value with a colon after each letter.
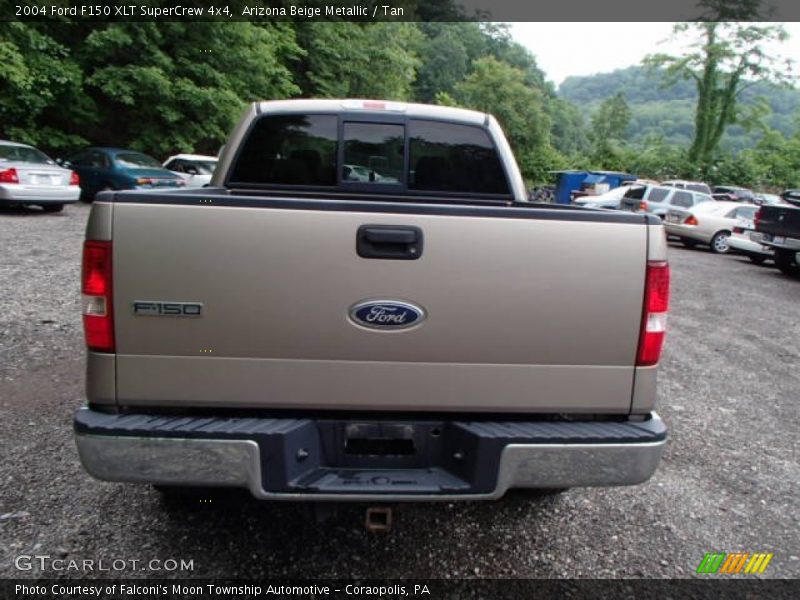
x: 364, y: 305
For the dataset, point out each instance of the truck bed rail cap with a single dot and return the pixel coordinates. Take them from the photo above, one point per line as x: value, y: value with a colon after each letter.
x: 445, y: 113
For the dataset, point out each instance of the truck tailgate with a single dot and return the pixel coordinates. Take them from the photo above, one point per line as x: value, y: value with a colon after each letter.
x: 780, y: 220
x: 537, y: 314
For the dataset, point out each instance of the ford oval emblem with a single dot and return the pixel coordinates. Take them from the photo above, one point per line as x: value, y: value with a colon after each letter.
x: 386, y: 314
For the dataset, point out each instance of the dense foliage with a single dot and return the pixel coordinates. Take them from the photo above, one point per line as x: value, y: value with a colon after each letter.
x: 668, y: 109
x: 761, y: 149
x: 179, y: 87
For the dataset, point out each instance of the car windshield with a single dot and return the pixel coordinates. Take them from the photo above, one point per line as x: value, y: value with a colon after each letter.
x: 24, y: 154
x: 204, y: 167
x: 135, y: 160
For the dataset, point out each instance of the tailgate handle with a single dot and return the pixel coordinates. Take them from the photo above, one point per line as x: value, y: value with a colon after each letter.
x: 393, y: 242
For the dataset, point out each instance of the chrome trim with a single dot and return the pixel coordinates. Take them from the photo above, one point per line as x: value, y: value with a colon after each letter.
x: 237, y: 463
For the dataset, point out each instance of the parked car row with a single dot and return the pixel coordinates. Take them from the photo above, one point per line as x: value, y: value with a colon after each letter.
x: 30, y: 177
x: 767, y: 232
x: 725, y: 218
x: 657, y: 198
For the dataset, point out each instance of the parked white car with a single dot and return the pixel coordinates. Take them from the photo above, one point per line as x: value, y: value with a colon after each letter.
x: 28, y: 176
x: 708, y: 223
x: 695, y: 186
x: 610, y: 199
x: 746, y: 240
x: 195, y: 169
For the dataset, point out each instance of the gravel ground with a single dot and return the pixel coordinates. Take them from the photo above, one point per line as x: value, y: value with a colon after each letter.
x: 729, y: 391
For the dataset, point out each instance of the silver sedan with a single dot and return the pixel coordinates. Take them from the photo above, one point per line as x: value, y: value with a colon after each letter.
x: 707, y: 223
x: 28, y: 176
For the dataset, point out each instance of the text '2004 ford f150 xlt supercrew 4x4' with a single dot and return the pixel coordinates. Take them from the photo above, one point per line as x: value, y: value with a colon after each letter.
x: 364, y: 306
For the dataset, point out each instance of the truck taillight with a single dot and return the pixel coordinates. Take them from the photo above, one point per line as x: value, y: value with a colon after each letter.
x: 96, y: 288
x: 9, y: 176
x: 74, y: 179
x: 757, y: 217
x: 643, y: 205
x: 654, y: 314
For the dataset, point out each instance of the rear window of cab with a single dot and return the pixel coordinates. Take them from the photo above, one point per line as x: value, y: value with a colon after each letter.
x: 415, y: 156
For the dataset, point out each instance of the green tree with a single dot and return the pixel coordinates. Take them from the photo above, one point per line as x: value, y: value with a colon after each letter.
x: 609, y: 130
x: 501, y: 45
x: 181, y: 86
x: 569, y: 135
x: 40, y: 89
x: 776, y: 159
x: 500, y: 89
x: 723, y: 59
x: 443, y: 64
x: 612, y: 119
x: 659, y: 160
x: 345, y: 59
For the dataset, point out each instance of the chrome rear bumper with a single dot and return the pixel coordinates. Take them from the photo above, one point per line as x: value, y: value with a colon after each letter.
x: 244, y: 463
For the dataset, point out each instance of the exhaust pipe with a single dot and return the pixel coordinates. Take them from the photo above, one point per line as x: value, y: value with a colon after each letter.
x: 378, y: 519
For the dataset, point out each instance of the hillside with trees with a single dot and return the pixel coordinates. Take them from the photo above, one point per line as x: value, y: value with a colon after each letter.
x: 179, y: 87
x: 667, y: 111
x: 721, y: 110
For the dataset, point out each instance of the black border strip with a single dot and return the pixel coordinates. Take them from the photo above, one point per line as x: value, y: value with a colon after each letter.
x: 414, y: 10
x: 160, y: 583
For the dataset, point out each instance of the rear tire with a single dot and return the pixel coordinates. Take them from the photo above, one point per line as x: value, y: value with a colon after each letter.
x: 785, y: 260
x: 52, y: 208
x: 688, y: 243
x: 719, y: 243
x: 756, y: 259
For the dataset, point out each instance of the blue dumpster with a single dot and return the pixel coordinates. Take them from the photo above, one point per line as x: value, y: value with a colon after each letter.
x: 571, y: 182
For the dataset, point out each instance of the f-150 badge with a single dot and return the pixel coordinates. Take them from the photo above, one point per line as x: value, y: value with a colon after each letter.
x: 158, y: 308
x: 386, y: 314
